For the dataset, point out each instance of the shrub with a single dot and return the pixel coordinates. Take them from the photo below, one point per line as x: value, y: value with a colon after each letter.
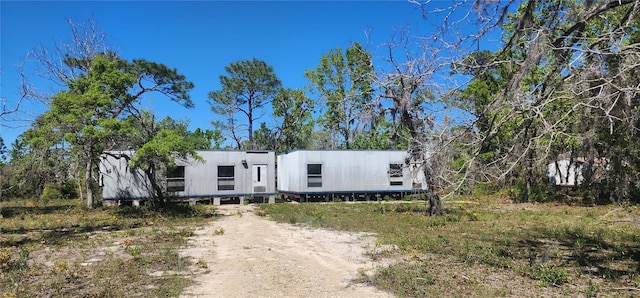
x: 68, y: 190
x: 549, y: 275
x: 51, y: 192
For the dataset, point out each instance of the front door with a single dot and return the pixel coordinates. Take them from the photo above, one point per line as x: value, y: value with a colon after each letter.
x: 259, y: 178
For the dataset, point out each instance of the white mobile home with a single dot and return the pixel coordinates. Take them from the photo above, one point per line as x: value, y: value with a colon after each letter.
x: 221, y: 175
x: 348, y: 173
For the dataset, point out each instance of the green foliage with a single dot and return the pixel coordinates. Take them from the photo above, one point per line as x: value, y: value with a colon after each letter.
x: 3, y: 152
x: 264, y: 138
x: 163, y: 148
x: 553, y: 276
x: 51, y: 192
x: 380, y: 137
x: 207, y: 139
x: 296, y: 111
x: 33, y: 165
x: 248, y: 86
x: 160, y: 144
x: 96, y: 111
x: 540, y: 106
x: 343, y: 81
x: 66, y: 190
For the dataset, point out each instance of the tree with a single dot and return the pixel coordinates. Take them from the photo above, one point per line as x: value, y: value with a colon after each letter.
x: 89, y: 114
x: 87, y: 40
x: 264, y: 138
x: 296, y: 111
x: 3, y: 158
x: 380, y: 137
x: 568, y: 86
x: 32, y: 166
x: 408, y: 89
x: 3, y: 151
x: 343, y: 81
x: 207, y: 139
x: 159, y: 145
x: 248, y: 86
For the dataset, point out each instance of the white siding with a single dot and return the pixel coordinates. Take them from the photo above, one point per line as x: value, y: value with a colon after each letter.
x: 565, y: 173
x: 201, y: 177
x: 119, y: 181
x: 342, y: 171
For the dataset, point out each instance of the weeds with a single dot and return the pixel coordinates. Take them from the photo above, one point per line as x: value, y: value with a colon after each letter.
x: 56, y: 248
x: 555, y: 276
x: 547, y: 249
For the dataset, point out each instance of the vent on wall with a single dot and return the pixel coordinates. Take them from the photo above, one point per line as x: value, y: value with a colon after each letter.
x: 259, y: 189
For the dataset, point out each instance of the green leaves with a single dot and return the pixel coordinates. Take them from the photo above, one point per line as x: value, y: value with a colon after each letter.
x: 247, y: 87
x: 343, y: 81
x: 98, y: 110
x: 296, y: 111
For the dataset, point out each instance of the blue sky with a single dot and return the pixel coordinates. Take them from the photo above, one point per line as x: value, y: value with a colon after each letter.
x: 199, y: 39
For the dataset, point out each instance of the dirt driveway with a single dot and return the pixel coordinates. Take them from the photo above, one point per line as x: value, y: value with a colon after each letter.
x: 244, y: 255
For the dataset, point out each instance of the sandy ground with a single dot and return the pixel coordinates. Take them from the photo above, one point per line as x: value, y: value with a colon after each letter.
x: 256, y: 257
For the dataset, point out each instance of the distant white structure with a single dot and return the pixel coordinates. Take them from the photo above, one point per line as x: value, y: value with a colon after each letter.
x: 222, y: 175
x: 347, y: 173
x: 566, y: 172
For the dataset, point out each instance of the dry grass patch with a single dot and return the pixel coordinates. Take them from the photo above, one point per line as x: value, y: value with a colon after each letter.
x: 491, y: 248
x: 63, y: 249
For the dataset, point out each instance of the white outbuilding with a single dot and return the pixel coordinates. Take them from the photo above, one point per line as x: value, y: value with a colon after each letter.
x: 565, y: 172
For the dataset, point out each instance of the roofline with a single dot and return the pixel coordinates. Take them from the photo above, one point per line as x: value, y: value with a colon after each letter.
x: 343, y: 150
x: 202, y: 150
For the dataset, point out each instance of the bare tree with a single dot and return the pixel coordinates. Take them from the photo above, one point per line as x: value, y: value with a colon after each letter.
x: 86, y: 41
x: 409, y: 85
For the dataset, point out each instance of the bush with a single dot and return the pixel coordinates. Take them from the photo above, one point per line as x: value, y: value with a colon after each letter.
x: 51, y: 192
x: 549, y: 275
x: 68, y: 190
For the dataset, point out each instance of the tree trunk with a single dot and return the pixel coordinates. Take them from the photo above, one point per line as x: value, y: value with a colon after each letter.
x: 158, y: 193
x: 435, y: 204
x: 250, y: 120
x: 87, y: 182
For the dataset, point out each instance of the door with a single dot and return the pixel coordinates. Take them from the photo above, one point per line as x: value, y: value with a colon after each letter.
x: 259, y: 178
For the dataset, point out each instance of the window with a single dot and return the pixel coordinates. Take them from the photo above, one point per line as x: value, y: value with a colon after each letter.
x: 226, y: 178
x: 314, y: 175
x: 259, y: 172
x: 395, y: 174
x: 175, y: 179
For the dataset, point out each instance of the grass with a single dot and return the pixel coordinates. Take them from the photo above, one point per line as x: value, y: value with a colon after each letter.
x: 485, y: 247
x: 60, y: 248
x: 482, y: 247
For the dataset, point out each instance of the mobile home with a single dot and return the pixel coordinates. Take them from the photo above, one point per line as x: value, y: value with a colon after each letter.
x: 220, y: 176
x: 355, y: 174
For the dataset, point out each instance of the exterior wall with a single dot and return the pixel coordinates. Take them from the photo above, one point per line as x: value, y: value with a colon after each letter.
x: 200, y: 177
x: 565, y: 173
x: 343, y: 171
x: 118, y: 181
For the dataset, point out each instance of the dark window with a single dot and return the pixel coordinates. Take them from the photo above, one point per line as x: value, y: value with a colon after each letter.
x: 226, y: 178
x: 395, y: 174
x: 175, y: 179
x: 259, y: 171
x: 314, y: 175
